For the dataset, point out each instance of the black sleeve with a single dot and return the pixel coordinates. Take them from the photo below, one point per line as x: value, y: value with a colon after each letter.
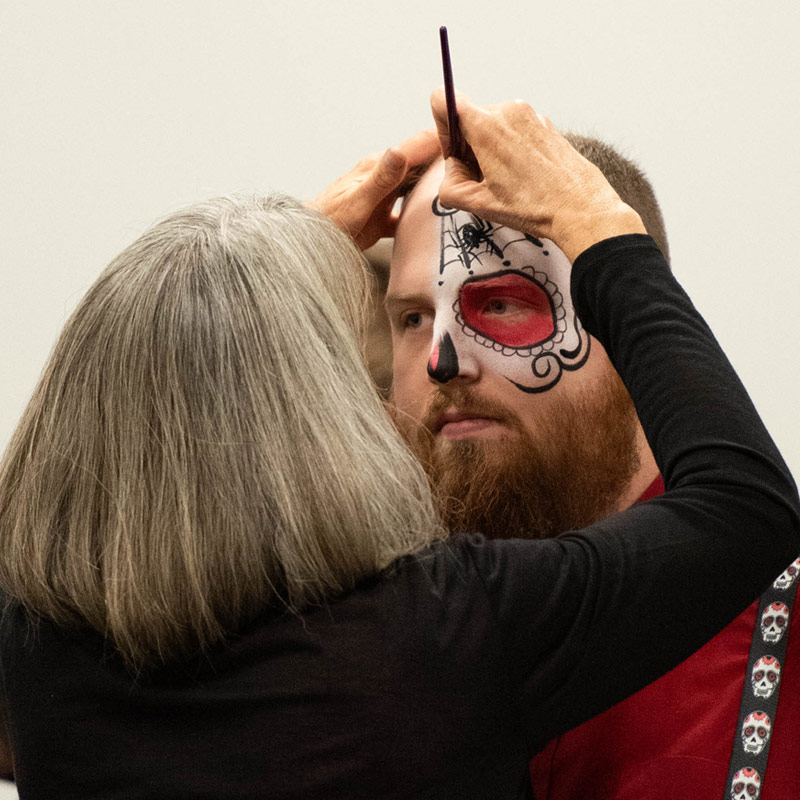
x: 593, y: 616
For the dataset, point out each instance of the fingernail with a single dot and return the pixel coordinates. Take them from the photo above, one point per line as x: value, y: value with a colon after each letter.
x: 393, y: 158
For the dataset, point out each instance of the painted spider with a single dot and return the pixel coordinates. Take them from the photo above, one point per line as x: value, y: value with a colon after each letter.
x: 469, y: 239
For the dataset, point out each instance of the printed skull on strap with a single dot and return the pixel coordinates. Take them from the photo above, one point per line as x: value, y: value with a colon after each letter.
x: 503, y: 299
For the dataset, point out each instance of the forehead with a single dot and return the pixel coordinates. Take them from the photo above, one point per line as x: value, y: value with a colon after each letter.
x: 415, y: 255
x: 438, y: 248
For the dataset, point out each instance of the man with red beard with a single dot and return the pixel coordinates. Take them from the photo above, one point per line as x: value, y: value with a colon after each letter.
x: 526, y: 430
x: 525, y: 425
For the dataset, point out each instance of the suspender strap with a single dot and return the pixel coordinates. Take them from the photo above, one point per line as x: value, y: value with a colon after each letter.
x: 762, y: 683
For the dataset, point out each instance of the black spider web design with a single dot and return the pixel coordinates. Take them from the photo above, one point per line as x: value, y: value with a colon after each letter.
x: 470, y: 240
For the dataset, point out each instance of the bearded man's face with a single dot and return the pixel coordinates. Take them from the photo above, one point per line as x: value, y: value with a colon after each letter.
x: 516, y: 412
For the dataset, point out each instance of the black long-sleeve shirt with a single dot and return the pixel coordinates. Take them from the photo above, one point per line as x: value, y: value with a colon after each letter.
x: 440, y: 677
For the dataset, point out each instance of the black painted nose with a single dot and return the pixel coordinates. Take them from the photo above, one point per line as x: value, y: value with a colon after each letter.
x: 443, y: 363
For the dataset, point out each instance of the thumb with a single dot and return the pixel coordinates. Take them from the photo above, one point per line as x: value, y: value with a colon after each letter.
x: 387, y: 174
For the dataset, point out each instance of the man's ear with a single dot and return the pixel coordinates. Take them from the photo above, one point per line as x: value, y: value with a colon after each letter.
x: 378, y: 347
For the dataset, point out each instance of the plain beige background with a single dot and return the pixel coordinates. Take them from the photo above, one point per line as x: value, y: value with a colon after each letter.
x: 114, y: 113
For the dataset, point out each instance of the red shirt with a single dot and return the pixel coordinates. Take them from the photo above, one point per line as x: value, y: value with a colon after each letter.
x: 673, y: 739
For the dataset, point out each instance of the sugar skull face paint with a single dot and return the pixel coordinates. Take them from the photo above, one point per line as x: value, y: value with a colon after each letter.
x: 502, y: 297
x: 482, y: 329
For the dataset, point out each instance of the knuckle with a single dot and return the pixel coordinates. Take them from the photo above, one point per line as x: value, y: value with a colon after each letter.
x: 524, y: 110
x: 368, y: 162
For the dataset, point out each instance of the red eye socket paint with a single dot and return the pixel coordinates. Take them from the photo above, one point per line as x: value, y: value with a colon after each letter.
x: 511, y: 308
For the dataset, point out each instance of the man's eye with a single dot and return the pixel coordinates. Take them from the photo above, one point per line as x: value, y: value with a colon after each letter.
x: 500, y: 306
x: 511, y: 309
x: 496, y: 306
x: 411, y: 320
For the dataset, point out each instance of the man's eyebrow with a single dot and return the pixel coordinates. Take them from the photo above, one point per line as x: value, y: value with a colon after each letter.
x: 406, y: 298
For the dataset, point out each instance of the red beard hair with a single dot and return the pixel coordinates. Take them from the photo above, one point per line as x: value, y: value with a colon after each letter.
x: 567, y: 474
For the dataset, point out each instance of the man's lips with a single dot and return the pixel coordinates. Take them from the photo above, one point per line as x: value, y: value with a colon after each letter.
x: 461, y: 423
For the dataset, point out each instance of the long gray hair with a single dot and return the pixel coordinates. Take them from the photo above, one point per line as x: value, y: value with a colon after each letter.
x: 205, y: 440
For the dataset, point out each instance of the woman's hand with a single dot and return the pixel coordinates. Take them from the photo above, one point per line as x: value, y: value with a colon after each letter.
x: 361, y: 201
x: 533, y: 180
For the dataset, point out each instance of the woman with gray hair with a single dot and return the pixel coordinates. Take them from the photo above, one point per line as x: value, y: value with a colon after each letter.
x: 222, y: 570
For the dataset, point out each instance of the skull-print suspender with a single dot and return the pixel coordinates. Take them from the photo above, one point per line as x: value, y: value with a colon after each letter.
x: 761, y: 688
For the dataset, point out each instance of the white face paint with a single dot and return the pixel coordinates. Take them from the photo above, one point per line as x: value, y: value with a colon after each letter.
x: 503, y: 298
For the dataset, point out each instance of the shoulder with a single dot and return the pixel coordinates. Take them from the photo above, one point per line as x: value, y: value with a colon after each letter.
x: 505, y: 574
x: 472, y: 554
